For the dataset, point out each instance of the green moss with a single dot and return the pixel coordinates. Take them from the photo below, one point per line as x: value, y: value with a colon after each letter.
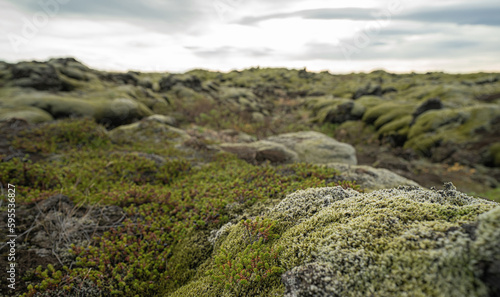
x: 434, y: 119
x: 327, y: 108
x: 26, y: 175
x: 451, y: 126
x: 101, y: 109
x: 148, y: 132
x: 493, y: 194
x: 52, y: 137
x: 386, y: 112
x: 32, y: 115
x: 399, y: 126
x: 370, y: 101
x: 495, y: 153
x: 393, y: 115
x: 189, y: 253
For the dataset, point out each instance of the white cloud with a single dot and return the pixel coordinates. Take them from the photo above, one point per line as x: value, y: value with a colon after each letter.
x: 121, y: 41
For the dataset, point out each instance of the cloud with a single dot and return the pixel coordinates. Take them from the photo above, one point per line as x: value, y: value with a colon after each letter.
x: 165, y: 15
x: 437, y: 43
x: 322, y: 14
x: 176, y: 36
x: 461, y: 14
x: 225, y: 52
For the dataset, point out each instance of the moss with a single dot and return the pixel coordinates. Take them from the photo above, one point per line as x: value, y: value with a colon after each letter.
x: 56, y: 136
x: 105, y: 111
x: 451, y: 126
x: 390, y: 241
x: 190, y: 252
x: 393, y: 115
x: 147, y: 131
x: 434, y: 119
x: 32, y: 115
x: 399, y: 126
x: 304, y: 204
x: 386, y: 112
x: 200, y: 287
x: 330, y: 109
x: 494, y: 151
x: 369, y: 101
x: 386, y: 242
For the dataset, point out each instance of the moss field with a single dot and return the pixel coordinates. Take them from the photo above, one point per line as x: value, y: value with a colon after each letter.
x: 171, y: 208
x: 228, y: 228
x: 199, y: 222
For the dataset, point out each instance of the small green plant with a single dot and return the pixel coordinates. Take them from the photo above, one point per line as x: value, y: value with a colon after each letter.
x: 51, y: 137
x: 259, y: 229
x: 253, y: 265
x: 23, y: 172
x: 347, y: 184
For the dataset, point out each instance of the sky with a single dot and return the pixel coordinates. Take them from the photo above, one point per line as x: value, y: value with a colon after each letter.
x: 222, y: 35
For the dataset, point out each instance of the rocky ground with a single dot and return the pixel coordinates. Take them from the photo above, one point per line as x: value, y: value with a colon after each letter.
x: 152, y: 182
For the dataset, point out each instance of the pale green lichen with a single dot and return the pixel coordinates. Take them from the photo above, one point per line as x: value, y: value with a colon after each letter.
x: 393, y: 241
x: 305, y: 203
x: 215, y: 235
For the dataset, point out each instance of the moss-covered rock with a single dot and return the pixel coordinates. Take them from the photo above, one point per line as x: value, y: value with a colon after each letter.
x: 369, y: 178
x: 389, y: 243
x: 317, y: 148
x: 186, y: 80
x: 370, y: 101
x: 111, y: 112
x: 31, y: 115
x: 335, y: 110
x: 261, y: 151
x: 147, y: 131
x: 37, y: 75
x: 459, y: 125
x: 387, y: 112
x: 494, y: 152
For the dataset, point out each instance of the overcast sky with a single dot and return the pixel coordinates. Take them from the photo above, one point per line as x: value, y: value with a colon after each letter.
x: 179, y: 35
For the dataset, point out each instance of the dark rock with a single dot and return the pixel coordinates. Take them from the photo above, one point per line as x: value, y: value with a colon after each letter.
x: 433, y: 103
x: 189, y: 81
x: 342, y: 113
x: 304, y: 74
x: 392, y: 162
x: 490, y: 276
x: 145, y: 83
x: 128, y: 78
x: 37, y: 75
x: 488, y: 97
x: 488, y: 80
x: 368, y: 90
x: 66, y: 61
x: 389, y: 90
